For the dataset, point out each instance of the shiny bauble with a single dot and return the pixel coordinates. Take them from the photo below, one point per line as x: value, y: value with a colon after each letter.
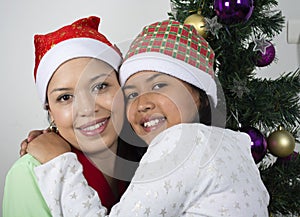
x: 198, y: 21
x: 288, y: 159
x: 281, y: 143
x: 233, y: 11
x: 264, y: 59
x: 258, y: 143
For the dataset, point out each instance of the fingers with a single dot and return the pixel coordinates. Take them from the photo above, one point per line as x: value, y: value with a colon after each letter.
x: 33, y: 134
x: 48, y: 146
x: 24, y: 146
x: 47, y: 130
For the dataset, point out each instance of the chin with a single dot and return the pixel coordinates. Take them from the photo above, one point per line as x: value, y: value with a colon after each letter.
x: 148, y: 138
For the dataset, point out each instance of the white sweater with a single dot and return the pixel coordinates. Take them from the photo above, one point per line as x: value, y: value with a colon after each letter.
x: 188, y: 170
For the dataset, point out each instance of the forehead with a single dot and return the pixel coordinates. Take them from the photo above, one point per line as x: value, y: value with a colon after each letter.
x: 145, y: 76
x: 82, y: 68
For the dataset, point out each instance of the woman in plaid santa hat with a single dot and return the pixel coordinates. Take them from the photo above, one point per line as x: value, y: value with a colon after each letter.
x: 190, y: 168
x: 75, y: 75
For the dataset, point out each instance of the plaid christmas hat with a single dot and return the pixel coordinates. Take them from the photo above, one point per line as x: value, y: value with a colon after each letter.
x: 175, y: 49
x: 79, y: 39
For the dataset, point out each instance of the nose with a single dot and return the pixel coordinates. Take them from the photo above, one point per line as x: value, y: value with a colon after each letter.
x: 85, y: 104
x: 144, y: 103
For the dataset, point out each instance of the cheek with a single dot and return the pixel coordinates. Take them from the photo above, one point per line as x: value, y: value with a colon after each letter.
x: 118, y: 103
x: 188, y: 109
x: 63, y: 118
x: 172, y: 109
x: 130, y: 112
x: 181, y: 108
x: 117, y: 109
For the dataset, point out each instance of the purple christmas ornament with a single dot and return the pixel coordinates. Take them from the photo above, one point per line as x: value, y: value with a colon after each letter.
x: 233, y: 11
x: 286, y: 160
x: 266, y: 58
x: 258, y: 143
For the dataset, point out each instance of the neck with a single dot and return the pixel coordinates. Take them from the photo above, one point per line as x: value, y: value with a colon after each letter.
x: 105, y: 160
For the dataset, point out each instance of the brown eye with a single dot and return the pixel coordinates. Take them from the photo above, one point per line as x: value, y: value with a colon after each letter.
x: 131, y: 95
x: 98, y: 87
x: 158, y: 86
x: 64, y: 97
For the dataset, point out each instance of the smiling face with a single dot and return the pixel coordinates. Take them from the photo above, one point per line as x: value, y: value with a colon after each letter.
x: 86, y: 103
x: 156, y: 101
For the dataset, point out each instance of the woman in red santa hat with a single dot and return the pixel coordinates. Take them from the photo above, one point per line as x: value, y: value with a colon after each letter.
x: 75, y: 75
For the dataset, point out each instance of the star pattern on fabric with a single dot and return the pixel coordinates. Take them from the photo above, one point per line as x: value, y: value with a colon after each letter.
x: 73, y: 196
x: 87, y: 204
x: 73, y: 169
x: 163, y: 212
x: 137, y: 206
x: 147, y: 211
x: 179, y: 185
x: 183, y: 189
x: 167, y: 186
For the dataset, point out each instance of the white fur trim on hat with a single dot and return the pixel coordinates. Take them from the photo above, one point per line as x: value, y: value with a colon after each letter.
x: 163, y: 63
x: 70, y: 49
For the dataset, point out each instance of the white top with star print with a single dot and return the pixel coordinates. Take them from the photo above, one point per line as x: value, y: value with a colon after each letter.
x: 188, y: 170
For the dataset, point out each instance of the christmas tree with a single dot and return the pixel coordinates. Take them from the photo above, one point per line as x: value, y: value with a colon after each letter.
x: 241, y: 34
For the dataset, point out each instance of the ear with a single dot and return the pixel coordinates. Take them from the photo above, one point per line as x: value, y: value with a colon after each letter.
x: 50, y: 116
x: 197, y: 97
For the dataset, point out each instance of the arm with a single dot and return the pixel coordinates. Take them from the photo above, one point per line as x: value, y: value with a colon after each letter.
x: 61, y: 179
x: 32, y: 134
x: 48, y: 146
x: 22, y: 196
x: 65, y: 189
x: 163, y: 196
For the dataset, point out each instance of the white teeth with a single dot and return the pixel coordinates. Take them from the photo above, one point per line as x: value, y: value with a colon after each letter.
x: 152, y: 122
x: 93, y: 127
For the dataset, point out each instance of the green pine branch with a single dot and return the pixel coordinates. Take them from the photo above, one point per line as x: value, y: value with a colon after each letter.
x: 282, y: 180
x: 262, y: 103
x: 270, y: 103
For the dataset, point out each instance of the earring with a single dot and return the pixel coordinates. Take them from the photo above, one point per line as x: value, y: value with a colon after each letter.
x: 53, y: 127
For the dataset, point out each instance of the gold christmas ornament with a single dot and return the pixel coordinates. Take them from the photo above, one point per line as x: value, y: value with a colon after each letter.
x: 281, y: 143
x: 198, y: 21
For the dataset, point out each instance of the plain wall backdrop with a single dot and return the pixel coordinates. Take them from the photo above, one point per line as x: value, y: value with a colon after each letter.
x: 21, y: 110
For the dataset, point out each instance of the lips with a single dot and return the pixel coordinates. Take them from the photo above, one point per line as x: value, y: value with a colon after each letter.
x: 94, y: 128
x: 150, y: 124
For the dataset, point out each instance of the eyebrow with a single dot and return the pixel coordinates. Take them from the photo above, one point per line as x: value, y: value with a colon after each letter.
x: 99, y: 76
x: 151, y: 78
x: 60, y: 89
x: 91, y: 80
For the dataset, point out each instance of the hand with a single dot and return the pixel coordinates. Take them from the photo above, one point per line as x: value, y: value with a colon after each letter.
x: 32, y: 134
x: 47, y: 146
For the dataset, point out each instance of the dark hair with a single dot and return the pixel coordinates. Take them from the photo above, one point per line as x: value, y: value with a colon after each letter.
x: 130, y: 148
x: 208, y: 114
x: 204, y: 109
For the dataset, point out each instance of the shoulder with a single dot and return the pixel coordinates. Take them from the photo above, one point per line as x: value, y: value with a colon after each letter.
x: 23, y: 165
x: 21, y: 176
x: 21, y: 189
x: 26, y: 160
x: 181, y: 131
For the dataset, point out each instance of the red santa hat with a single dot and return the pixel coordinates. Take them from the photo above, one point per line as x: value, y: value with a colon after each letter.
x: 79, y: 39
x: 175, y: 49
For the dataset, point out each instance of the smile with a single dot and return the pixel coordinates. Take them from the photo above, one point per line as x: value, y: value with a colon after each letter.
x: 150, y: 125
x: 153, y: 122
x: 95, y: 128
